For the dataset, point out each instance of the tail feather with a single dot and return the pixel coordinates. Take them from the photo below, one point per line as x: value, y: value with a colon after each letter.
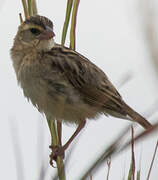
x: 137, y: 117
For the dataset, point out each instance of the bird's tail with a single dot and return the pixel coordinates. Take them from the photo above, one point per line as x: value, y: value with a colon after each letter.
x: 137, y: 117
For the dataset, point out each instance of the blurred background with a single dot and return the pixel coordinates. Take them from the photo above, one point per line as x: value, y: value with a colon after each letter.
x: 121, y: 38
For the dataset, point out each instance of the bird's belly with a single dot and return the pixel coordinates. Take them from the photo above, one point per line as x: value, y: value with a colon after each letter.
x: 55, y: 97
x: 67, y: 107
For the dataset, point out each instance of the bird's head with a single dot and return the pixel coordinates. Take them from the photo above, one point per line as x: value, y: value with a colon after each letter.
x: 36, y: 32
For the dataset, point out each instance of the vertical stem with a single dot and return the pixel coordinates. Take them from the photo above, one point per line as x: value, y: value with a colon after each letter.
x: 25, y: 9
x: 73, y: 24
x: 34, y: 7
x: 133, y: 156
x: 67, y: 20
x: 54, y: 136
x: 29, y: 3
x: 109, y: 165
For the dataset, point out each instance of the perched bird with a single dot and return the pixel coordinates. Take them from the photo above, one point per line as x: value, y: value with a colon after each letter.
x: 60, y: 82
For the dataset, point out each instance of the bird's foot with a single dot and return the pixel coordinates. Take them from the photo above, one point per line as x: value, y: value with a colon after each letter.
x: 56, y: 151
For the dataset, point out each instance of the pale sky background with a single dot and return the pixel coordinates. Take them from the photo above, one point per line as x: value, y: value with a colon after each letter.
x: 109, y: 33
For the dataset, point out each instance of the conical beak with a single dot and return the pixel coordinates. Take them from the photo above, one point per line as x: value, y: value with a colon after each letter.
x: 46, y: 34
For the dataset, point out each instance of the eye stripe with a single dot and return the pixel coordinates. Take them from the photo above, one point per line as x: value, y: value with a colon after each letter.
x: 29, y: 26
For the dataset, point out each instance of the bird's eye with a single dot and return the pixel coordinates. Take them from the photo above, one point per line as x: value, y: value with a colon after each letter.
x: 35, y: 31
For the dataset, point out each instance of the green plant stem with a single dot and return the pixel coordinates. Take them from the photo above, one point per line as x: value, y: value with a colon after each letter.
x: 67, y: 20
x: 26, y: 13
x: 54, y: 141
x: 73, y: 25
x: 29, y: 3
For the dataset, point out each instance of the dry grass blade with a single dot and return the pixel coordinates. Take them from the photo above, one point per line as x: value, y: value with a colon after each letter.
x: 133, y: 156
x: 109, y: 166
x: 131, y: 173
x: 115, y: 148
x: 142, y: 135
x: 152, y: 162
x: 73, y: 25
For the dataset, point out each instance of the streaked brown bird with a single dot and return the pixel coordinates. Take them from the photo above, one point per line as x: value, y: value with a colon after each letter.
x: 62, y: 83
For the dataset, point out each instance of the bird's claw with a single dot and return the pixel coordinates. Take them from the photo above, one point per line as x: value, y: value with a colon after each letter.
x: 56, y: 151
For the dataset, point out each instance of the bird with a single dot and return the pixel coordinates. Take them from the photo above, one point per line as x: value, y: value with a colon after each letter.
x: 62, y: 83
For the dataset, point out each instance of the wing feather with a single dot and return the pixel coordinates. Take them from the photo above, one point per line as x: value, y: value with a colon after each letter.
x: 84, y: 76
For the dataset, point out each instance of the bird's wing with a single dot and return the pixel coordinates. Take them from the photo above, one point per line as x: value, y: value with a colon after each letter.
x: 90, y: 81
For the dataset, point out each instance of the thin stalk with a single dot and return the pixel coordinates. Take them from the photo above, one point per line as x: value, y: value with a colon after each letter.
x: 67, y: 20
x: 29, y: 3
x: 34, y: 7
x: 73, y: 25
x: 133, y: 155
x: 131, y: 173
x: 26, y: 13
x: 109, y: 166
x: 152, y: 162
x: 55, y: 141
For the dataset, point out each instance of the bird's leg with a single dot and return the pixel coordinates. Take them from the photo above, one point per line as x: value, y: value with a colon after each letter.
x: 79, y: 128
x: 59, y: 150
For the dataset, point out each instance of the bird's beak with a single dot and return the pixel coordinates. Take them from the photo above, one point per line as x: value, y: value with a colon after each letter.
x: 46, y: 34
